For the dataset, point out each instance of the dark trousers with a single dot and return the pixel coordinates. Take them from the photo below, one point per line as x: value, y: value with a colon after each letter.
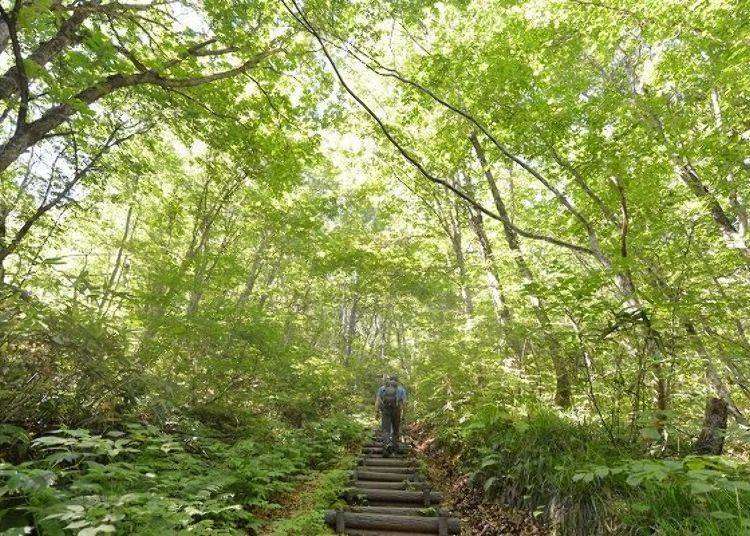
x: 390, y: 425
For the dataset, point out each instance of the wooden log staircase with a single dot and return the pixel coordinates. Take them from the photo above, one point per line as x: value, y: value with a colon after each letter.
x: 389, y: 496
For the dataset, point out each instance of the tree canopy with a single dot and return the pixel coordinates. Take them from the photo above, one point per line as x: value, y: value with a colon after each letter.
x: 228, y: 211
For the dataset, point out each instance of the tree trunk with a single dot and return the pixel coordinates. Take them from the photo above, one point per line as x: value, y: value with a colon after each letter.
x: 110, y: 283
x: 350, y: 329
x: 255, y: 266
x: 273, y: 274
x: 502, y: 311
x: 562, y: 378
x: 711, y: 438
x: 654, y: 354
x: 4, y: 36
x: 458, y: 251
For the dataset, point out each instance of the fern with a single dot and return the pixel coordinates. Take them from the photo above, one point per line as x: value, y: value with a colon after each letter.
x: 142, y: 480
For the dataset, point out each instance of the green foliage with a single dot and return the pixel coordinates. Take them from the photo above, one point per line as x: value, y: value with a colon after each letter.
x: 141, y: 480
x: 530, y: 461
x: 572, y: 476
x: 326, y: 494
x: 704, y: 495
x: 192, y: 217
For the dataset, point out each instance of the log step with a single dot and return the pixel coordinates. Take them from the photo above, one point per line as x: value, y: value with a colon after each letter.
x: 373, y: 484
x: 386, y: 462
x: 385, y: 522
x: 396, y: 510
x: 393, y: 504
x: 396, y: 496
x: 357, y: 532
x: 376, y: 450
x: 379, y: 448
x: 382, y: 476
x: 389, y: 497
x: 392, y: 470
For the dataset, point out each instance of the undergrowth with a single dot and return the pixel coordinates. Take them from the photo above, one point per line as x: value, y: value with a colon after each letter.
x: 576, y: 479
x: 137, y: 478
x: 325, y: 493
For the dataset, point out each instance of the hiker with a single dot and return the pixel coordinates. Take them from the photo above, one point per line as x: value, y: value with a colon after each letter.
x: 389, y: 402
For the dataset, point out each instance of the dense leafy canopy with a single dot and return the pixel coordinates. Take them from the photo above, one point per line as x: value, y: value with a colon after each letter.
x: 226, y: 220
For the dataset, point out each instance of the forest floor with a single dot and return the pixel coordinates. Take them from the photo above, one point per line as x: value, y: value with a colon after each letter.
x: 301, y: 511
x: 466, y: 501
x: 292, y: 504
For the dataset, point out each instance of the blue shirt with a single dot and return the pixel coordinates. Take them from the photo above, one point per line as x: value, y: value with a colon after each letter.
x: 400, y: 393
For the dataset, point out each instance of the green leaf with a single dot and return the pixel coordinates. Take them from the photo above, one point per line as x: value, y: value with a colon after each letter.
x: 78, y: 524
x: 583, y: 477
x: 640, y: 507
x: 634, y: 480
x: 697, y: 488
x: 47, y: 441
x: 601, y: 472
x: 650, y: 433
x: 93, y: 531
x: 489, y: 462
x: 718, y: 514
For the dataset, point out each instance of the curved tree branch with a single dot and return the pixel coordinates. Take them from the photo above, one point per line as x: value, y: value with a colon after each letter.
x: 300, y: 17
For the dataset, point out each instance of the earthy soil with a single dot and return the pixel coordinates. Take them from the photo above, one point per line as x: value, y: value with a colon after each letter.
x: 478, y: 517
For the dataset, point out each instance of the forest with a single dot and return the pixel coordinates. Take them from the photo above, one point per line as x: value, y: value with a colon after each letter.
x: 223, y: 221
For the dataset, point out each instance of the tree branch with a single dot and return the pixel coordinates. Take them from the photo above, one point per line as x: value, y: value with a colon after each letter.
x: 19, y: 72
x: 299, y: 16
x: 111, y: 142
x: 54, y: 117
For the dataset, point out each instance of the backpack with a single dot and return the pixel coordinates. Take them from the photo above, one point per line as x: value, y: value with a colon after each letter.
x: 390, y: 395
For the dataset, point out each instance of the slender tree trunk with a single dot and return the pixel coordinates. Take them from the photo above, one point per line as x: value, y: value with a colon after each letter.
x: 385, y: 336
x: 273, y: 274
x: 625, y: 284
x: 118, y: 261
x: 654, y: 351
x: 350, y: 329
x: 502, y: 311
x: 588, y: 367
x: 4, y: 36
x: 199, y: 263
x: 458, y: 252
x: 254, y: 271
x: 718, y: 388
x: 562, y: 376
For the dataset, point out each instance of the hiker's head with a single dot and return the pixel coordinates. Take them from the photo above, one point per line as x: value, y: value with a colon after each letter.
x: 393, y: 379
